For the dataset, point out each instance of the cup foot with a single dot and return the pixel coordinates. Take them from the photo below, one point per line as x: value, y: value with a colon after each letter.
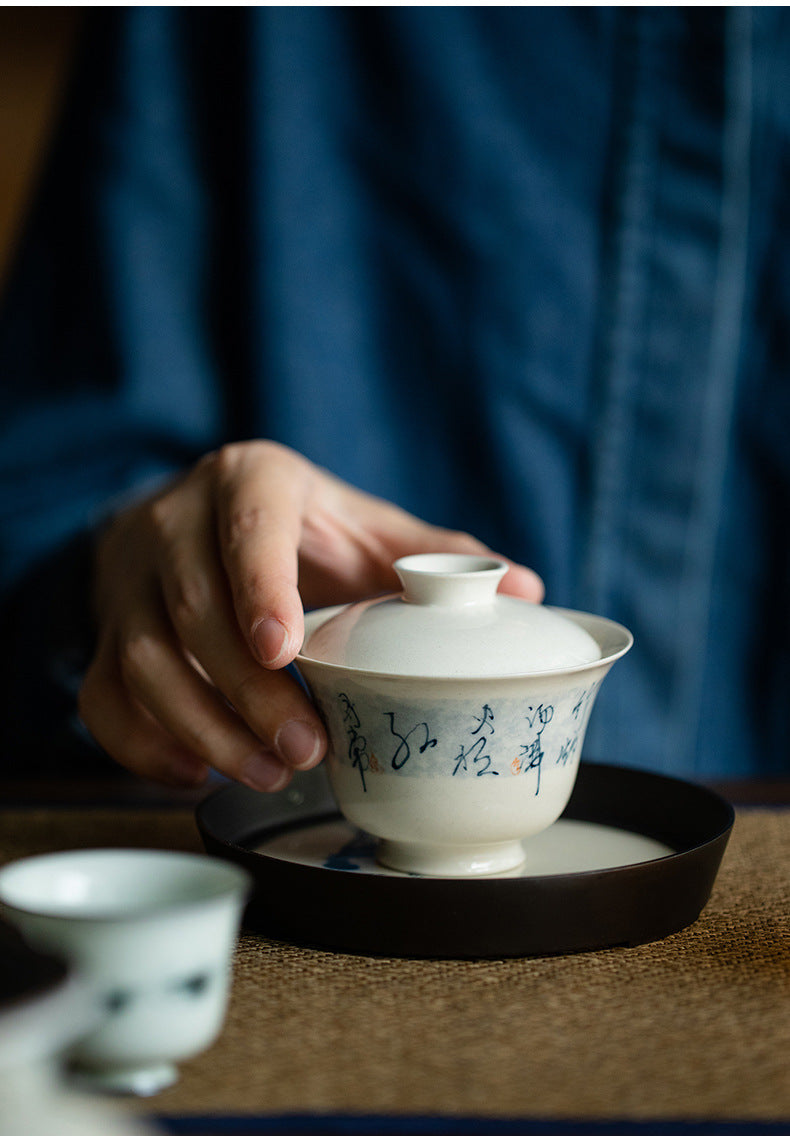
x: 142, y: 1081
x: 450, y: 860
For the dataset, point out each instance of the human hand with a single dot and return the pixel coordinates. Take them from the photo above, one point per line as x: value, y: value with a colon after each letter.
x: 198, y: 598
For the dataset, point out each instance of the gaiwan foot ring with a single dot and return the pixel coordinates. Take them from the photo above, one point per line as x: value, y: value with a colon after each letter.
x: 452, y: 860
x: 142, y: 1081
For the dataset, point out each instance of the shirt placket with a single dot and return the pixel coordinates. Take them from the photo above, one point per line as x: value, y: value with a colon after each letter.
x: 667, y: 367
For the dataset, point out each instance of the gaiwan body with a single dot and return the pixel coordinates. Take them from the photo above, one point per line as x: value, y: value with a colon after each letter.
x: 455, y: 715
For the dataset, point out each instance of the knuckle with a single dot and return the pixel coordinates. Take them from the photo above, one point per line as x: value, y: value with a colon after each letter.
x: 226, y: 459
x: 188, y: 601
x: 271, y: 451
x: 139, y: 655
x: 247, y: 698
x: 242, y: 522
x: 162, y: 518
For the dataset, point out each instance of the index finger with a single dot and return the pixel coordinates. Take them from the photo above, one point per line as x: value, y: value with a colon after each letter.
x: 259, y: 498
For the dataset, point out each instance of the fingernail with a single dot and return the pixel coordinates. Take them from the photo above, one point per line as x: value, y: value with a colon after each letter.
x: 270, y: 637
x: 299, y: 744
x: 265, y: 773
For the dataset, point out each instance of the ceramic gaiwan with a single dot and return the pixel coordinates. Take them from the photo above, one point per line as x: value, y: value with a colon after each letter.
x: 455, y: 715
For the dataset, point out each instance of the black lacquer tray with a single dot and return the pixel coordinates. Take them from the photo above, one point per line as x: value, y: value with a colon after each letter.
x: 678, y: 830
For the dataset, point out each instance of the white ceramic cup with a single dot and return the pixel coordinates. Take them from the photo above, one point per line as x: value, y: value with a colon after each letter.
x: 152, y: 934
x: 455, y: 715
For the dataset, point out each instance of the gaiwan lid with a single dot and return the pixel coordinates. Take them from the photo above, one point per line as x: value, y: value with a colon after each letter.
x: 449, y: 622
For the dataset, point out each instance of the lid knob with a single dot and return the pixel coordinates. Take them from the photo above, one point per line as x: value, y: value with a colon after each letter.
x: 449, y: 580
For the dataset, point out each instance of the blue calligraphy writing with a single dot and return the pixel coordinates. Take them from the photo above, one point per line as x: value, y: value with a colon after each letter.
x: 476, y: 753
x: 403, y: 750
x: 531, y: 756
x: 357, y: 743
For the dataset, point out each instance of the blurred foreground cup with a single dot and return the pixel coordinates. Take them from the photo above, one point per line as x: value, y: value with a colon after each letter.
x: 152, y: 935
x: 43, y: 1009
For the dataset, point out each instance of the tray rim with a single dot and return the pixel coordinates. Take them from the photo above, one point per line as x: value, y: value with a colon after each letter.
x: 691, y: 869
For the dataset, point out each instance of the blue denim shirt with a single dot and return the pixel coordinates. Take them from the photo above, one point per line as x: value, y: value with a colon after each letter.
x: 523, y: 271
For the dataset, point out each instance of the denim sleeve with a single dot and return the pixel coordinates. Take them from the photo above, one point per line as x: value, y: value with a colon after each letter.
x: 108, y: 377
